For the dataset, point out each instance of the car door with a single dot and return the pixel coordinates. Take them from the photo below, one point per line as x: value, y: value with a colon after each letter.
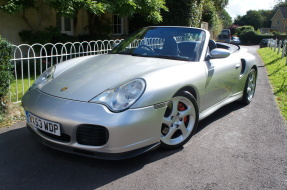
x: 223, y: 75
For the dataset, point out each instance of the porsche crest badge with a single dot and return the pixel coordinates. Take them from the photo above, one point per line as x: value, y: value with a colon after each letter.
x: 64, y: 89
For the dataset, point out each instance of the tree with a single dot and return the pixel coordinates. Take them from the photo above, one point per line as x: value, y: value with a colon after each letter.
x: 225, y: 18
x: 253, y: 18
x: 183, y: 13
x: 279, y: 4
x: 267, y: 16
x: 260, y: 18
x: 215, y: 14
x: 192, y: 12
x: 210, y: 15
x: 69, y: 8
x: 15, y: 6
x: 220, y: 4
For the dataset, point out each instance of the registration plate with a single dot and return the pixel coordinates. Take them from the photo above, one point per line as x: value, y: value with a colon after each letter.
x: 43, y: 124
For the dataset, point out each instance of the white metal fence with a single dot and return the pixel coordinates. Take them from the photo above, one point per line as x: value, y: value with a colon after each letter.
x: 31, y: 60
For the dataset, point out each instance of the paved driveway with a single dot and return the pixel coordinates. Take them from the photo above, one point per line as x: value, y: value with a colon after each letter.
x: 236, y: 148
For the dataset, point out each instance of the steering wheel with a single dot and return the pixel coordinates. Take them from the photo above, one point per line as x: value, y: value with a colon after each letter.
x: 146, y: 47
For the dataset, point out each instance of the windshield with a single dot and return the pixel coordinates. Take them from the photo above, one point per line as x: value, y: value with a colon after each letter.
x: 224, y: 34
x: 164, y: 42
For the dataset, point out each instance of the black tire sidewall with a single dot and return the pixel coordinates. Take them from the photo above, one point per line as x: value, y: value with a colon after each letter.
x: 245, y: 99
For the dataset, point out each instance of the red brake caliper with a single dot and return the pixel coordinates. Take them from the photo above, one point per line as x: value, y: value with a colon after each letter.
x: 181, y: 107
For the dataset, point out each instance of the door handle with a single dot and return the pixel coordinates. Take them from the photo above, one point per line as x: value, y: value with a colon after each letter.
x: 237, y: 66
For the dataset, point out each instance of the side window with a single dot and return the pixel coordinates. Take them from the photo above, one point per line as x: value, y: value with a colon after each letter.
x: 66, y: 25
x: 117, y: 25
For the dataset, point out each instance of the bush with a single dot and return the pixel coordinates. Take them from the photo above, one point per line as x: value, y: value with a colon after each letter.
x: 6, y: 74
x: 252, y: 38
x: 249, y: 36
x: 241, y: 29
x: 183, y: 13
x: 49, y: 35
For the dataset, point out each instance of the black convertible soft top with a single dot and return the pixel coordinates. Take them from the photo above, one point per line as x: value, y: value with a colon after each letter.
x: 231, y: 47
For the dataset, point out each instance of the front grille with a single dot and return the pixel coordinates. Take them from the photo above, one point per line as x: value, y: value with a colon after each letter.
x: 92, y: 135
x: 63, y: 137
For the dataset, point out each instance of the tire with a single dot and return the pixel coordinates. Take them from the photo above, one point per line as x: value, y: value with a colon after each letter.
x: 180, y: 121
x: 250, y: 86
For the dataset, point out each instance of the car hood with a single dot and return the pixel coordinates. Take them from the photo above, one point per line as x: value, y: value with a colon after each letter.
x: 84, y: 79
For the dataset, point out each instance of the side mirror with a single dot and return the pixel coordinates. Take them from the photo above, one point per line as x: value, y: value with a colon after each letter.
x: 219, y: 53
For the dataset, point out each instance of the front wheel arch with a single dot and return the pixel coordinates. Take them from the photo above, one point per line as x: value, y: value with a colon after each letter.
x: 189, y: 89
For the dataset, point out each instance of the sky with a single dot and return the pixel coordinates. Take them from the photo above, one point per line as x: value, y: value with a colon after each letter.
x: 240, y: 7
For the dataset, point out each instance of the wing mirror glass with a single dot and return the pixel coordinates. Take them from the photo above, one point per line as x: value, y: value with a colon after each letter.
x: 219, y: 53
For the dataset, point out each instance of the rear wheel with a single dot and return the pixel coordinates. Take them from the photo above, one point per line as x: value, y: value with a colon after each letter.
x: 250, y: 86
x: 180, y: 120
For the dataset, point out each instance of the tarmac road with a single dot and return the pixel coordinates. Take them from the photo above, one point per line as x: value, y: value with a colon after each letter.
x: 235, y: 148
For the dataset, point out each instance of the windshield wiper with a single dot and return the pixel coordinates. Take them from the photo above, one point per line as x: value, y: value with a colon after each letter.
x: 122, y: 52
x: 172, y: 57
x: 156, y: 56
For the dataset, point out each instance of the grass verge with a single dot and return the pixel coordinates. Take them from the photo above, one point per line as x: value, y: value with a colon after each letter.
x: 18, y: 89
x: 277, y: 73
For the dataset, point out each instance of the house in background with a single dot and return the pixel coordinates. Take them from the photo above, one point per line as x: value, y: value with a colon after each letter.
x: 43, y: 17
x: 279, y: 20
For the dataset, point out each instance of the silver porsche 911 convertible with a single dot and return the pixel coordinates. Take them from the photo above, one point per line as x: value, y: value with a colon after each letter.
x: 151, y: 90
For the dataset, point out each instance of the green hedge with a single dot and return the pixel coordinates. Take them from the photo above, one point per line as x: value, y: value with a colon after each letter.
x: 49, y: 35
x: 241, y: 29
x: 6, y: 70
x: 252, y: 38
x: 248, y: 36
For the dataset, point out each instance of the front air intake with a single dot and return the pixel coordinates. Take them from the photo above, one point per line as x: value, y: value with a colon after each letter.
x: 93, y: 135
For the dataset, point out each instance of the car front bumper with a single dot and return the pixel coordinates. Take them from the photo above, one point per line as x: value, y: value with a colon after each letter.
x: 130, y: 133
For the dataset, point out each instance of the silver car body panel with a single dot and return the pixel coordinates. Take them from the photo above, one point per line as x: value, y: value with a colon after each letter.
x: 126, y: 130
x: 215, y: 83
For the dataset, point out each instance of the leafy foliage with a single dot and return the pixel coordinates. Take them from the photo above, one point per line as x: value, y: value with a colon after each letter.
x: 225, y: 18
x: 49, y: 35
x: 150, y: 9
x: 279, y: 4
x: 247, y: 35
x: 267, y: 16
x: 69, y: 8
x: 211, y: 16
x: 259, y: 18
x: 14, y: 6
x: 220, y: 4
x: 6, y: 53
x: 239, y: 30
x: 180, y: 13
x: 253, y: 18
x: 138, y: 21
x: 183, y: 13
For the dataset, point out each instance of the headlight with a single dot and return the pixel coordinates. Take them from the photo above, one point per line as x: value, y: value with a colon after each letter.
x: 44, y: 78
x: 122, y: 97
